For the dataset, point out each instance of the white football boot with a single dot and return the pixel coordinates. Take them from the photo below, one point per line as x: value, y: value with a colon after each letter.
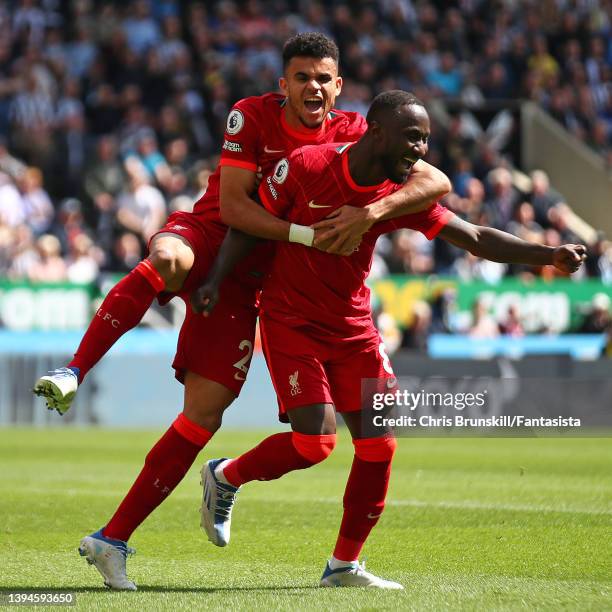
x: 108, y: 557
x: 355, y: 575
x: 217, y: 502
x: 59, y: 388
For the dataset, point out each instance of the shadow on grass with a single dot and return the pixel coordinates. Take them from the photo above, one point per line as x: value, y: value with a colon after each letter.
x: 152, y: 589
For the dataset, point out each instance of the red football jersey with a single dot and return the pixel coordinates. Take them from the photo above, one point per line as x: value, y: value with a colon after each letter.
x: 257, y: 135
x: 307, y: 286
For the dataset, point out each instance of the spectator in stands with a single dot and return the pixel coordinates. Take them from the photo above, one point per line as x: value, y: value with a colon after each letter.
x: 6, y: 249
x: 462, y: 176
x: 543, y: 197
x: 512, y: 325
x: 36, y: 203
x: 496, y: 83
x: 172, y: 45
x: 412, y: 253
x: 12, y: 209
x: 103, y: 108
x: 152, y: 160
x: 141, y: 208
x: 503, y: 200
x: 541, y: 62
x: 141, y: 29
x: 599, y: 319
x: 32, y: 119
x: 443, y: 311
x: 417, y: 333
x: 50, y: 267
x: 470, y: 268
x: 70, y: 153
x: 599, y: 137
x: 524, y: 225
x: 559, y: 218
x: 9, y: 164
x: 81, y: 52
x: 127, y: 252
x: 198, y: 176
x: 483, y: 324
x: 104, y: 180
x: 595, y: 251
x: 604, y: 262
x: 82, y: 262
x: 23, y: 254
x: 446, y: 78
x: 177, y: 154
x: 29, y: 21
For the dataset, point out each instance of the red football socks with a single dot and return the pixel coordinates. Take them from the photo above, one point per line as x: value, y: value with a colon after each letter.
x: 165, y: 466
x: 278, y: 455
x: 121, y: 310
x: 364, y: 496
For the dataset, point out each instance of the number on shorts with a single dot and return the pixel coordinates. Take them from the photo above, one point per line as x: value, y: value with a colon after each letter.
x: 243, y: 363
x: 386, y: 363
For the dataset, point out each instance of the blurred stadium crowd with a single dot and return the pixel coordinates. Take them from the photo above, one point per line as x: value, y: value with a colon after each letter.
x: 112, y: 114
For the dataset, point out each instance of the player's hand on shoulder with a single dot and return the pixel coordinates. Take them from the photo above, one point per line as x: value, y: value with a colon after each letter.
x: 342, y: 231
x: 569, y: 257
x: 204, y: 299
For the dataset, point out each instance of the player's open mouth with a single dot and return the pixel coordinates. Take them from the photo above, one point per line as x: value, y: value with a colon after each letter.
x: 313, y: 104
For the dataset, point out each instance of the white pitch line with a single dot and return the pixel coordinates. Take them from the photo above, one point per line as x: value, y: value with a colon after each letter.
x: 412, y: 503
x: 475, y: 505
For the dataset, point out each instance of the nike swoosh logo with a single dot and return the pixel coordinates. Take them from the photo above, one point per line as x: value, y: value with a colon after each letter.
x: 266, y: 150
x: 373, y: 516
x: 313, y: 205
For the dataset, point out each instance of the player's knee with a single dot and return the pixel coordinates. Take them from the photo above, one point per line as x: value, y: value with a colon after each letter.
x: 172, y: 263
x: 207, y: 416
x: 164, y: 260
x: 205, y: 401
x: 314, y: 448
x: 375, y: 449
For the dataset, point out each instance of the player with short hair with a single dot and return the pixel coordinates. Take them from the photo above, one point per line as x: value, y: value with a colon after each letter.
x: 318, y: 335
x: 214, y: 353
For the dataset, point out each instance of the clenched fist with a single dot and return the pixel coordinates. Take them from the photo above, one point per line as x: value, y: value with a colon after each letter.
x: 569, y: 257
x: 204, y: 299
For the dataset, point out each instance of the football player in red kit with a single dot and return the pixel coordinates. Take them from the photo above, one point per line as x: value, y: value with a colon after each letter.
x: 318, y: 335
x: 213, y: 354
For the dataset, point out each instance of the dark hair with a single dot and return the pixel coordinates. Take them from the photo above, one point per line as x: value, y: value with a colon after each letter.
x: 310, y: 44
x: 388, y: 101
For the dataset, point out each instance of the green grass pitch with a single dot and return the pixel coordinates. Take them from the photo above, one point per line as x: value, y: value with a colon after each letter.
x: 473, y: 524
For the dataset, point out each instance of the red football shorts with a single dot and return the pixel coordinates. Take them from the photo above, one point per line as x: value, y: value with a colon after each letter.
x: 307, y: 368
x: 218, y: 347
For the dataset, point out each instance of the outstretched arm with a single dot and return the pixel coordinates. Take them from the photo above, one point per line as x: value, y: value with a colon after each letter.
x: 345, y: 227
x: 496, y: 245
x: 236, y: 246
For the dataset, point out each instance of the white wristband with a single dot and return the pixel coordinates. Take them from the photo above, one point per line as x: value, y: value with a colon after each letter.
x: 302, y: 234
